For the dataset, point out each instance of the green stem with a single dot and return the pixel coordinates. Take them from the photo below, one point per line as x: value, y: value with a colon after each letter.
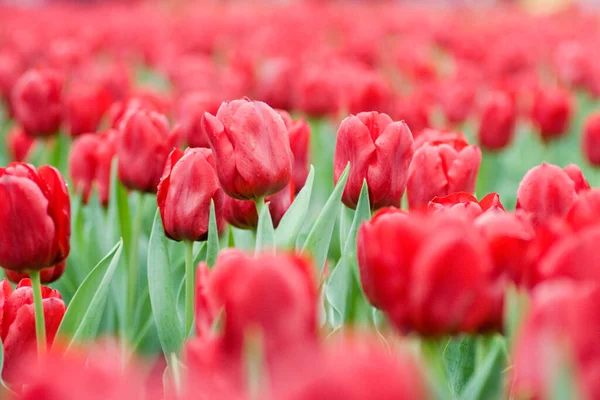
x: 40, y: 326
x: 189, y: 286
x: 133, y: 270
x: 260, y: 203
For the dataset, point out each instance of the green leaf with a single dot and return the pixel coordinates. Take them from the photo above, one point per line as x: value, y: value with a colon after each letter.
x: 319, y: 237
x: 339, y: 287
x: 516, y: 304
x: 163, y: 291
x: 295, y: 216
x: 265, y: 234
x: 244, y: 239
x: 119, y: 220
x: 486, y: 383
x: 212, y: 245
x: 563, y: 385
x: 83, y: 316
x: 459, y: 358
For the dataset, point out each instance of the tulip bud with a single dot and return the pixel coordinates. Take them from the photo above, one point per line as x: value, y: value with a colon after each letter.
x: 90, y: 161
x: 143, y: 149
x: 463, y: 202
x: 457, y: 100
x: 242, y: 213
x: 442, y: 165
x: 37, y: 103
x: 252, y: 148
x: 380, y: 151
x: 85, y: 106
x: 552, y: 110
x: 590, y: 142
x: 188, y: 185
x: 497, y: 122
x: 18, y: 322
x: 19, y: 144
x: 191, y: 109
x: 34, y: 217
x: 546, y: 191
x: 299, y: 132
x: 47, y: 275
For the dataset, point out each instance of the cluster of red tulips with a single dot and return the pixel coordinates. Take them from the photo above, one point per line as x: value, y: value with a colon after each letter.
x: 207, y: 201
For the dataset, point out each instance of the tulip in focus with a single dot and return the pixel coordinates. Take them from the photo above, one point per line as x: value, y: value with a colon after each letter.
x: 185, y: 191
x: 47, y: 275
x: 252, y: 148
x: 380, y: 151
x: 299, y: 132
x: 35, y: 217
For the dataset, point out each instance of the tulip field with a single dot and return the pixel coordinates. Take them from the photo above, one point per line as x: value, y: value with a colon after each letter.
x: 304, y: 200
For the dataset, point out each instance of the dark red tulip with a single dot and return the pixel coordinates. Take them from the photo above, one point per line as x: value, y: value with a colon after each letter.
x: 551, y: 113
x: 47, y: 275
x: 188, y: 185
x: 445, y: 163
x: 299, y: 132
x: 191, y: 109
x: 19, y: 143
x: 430, y: 274
x: 90, y: 161
x: 85, y: 106
x: 546, y: 191
x: 466, y: 203
x: 242, y: 213
x: 252, y: 148
x: 35, y: 217
x: 37, y: 101
x: 590, y: 141
x: 144, y: 145
x: 18, y: 322
x: 497, y: 122
x: 380, y: 151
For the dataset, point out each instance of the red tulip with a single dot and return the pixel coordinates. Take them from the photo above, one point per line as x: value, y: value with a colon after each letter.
x: 143, y: 149
x: 251, y: 147
x: 188, y: 185
x: 37, y: 102
x: 242, y: 213
x: 90, y: 161
x: 576, y: 175
x: 561, y: 328
x: 85, y: 106
x: 379, y: 151
x: 590, y: 142
x: 432, y: 275
x: 35, y: 217
x: 466, y: 202
x: 552, y: 110
x: 444, y: 164
x: 546, y: 191
x: 497, y: 122
x: 457, y: 100
x: 299, y: 132
x: 414, y: 112
x: 11, y: 68
x: 191, y: 109
x: 18, y: 322
x: 19, y: 144
x: 275, y: 81
x: 47, y: 275
x: 585, y: 211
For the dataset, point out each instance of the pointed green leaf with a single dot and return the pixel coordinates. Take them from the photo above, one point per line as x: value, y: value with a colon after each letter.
x: 265, y: 234
x: 83, y: 316
x: 319, y: 237
x: 118, y: 219
x: 163, y: 291
x: 212, y: 244
x: 295, y: 216
x: 486, y: 383
x: 242, y: 238
x: 516, y: 304
x: 459, y: 358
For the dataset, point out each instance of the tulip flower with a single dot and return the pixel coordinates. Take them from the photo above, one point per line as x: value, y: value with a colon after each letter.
x: 19, y: 143
x: 47, y: 275
x: 37, y: 102
x: 551, y: 113
x: 191, y: 109
x: 144, y: 146
x: 90, y: 161
x: 18, y: 331
x: 546, y: 191
x: 188, y: 185
x: 11, y: 68
x: 466, y: 203
x: 414, y: 112
x: 497, y: 122
x: 85, y: 106
x: 380, y: 151
x: 299, y: 132
x: 590, y: 142
x: 432, y: 275
x: 442, y: 165
x: 457, y: 100
x: 576, y: 175
x: 242, y: 213
x: 35, y: 217
x: 251, y: 147
x: 585, y: 211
